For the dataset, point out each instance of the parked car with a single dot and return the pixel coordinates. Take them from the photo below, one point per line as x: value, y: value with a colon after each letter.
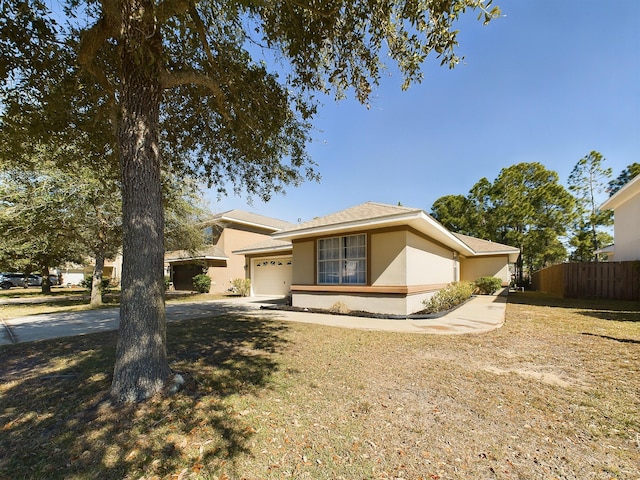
x: 17, y: 279
x: 11, y: 279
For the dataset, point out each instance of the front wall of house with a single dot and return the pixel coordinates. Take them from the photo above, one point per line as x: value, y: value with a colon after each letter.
x: 428, y: 262
x: 474, y: 268
x: 404, y: 269
x: 232, y: 239
x: 304, y: 262
x: 626, y: 230
x: 373, y: 303
x: 387, y: 255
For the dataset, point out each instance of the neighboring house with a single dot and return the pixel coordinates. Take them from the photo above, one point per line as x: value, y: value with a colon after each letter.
x: 375, y: 258
x: 224, y: 233
x: 74, y: 274
x: 625, y: 204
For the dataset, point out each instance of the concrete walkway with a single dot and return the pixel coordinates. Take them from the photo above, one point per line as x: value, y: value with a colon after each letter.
x: 480, y: 314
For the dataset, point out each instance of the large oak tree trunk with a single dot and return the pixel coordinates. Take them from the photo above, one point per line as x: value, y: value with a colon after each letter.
x: 141, y: 368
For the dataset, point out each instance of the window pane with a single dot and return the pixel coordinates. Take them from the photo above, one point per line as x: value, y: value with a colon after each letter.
x: 329, y: 272
x: 342, y: 260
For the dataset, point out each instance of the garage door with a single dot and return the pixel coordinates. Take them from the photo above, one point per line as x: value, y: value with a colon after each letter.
x: 272, y: 276
x: 183, y: 276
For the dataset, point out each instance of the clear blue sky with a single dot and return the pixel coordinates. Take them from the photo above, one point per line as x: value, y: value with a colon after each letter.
x: 549, y: 82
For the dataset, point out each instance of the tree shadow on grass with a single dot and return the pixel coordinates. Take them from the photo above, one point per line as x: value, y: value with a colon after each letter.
x: 55, y: 422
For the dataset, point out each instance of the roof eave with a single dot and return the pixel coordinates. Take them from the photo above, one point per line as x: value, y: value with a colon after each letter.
x: 249, y: 224
x: 252, y: 251
x: 416, y: 219
x: 202, y: 257
x: 623, y: 195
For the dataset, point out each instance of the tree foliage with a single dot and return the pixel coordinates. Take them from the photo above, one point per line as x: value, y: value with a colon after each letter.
x: 185, y: 82
x: 35, y: 218
x: 525, y: 206
x: 628, y: 174
x: 588, y: 181
x: 456, y: 213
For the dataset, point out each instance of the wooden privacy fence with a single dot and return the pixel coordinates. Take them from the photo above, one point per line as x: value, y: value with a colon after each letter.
x: 606, y: 280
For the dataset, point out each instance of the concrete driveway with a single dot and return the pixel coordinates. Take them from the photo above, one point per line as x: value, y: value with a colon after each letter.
x: 480, y: 314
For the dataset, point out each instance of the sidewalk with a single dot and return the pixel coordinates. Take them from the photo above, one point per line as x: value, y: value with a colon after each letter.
x: 481, y: 314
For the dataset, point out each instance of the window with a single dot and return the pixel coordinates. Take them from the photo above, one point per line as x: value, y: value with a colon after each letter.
x: 342, y: 260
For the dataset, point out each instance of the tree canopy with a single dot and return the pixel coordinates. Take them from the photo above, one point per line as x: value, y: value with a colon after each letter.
x: 525, y: 206
x: 625, y: 177
x: 186, y: 82
x: 588, y: 180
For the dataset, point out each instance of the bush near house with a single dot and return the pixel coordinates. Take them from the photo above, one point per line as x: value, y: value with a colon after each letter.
x: 202, y: 283
x: 241, y: 286
x: 87, y: 284
x: 449, y: 297
x: 488, y: 285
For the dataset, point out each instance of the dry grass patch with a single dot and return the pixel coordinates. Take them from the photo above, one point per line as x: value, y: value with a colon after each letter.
x: 553, y: 394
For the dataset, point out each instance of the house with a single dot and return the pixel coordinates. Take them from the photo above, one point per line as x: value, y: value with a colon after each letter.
x: 625, y: 204
x: 74, y: 274
x: 374, y: 257
x: 224, y: 233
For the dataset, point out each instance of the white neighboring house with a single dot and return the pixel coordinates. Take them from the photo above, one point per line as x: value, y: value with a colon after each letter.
x: 625, y: 204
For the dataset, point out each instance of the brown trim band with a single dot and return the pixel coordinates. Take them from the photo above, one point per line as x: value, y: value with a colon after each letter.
x: 377, y: 289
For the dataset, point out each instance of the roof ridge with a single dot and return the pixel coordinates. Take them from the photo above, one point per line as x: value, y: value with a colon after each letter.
x: 393, y: 206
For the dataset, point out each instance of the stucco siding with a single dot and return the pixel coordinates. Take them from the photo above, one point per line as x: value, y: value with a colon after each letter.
x: 388, y: 258
x: 474, y: 268
x: 231, y: 239
x: 382, y: 304
x: 627, y: 231
x: 428, y: 262
x: 304, y: 263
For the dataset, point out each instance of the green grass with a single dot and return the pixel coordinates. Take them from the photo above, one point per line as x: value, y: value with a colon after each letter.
x: 555, y: 393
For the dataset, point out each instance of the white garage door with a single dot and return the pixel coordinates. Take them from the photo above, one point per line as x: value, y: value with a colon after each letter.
x: 272, y: 276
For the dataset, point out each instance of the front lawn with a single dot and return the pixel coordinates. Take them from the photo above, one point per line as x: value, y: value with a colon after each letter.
x: 555, y: 393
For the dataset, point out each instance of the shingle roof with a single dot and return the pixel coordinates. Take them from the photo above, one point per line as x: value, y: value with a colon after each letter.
x: 365, y: 211
x: 240, y: 216
x: 211, y: 252
x: 265, y: 246
x: 377, y: 214
x: 485, y: 246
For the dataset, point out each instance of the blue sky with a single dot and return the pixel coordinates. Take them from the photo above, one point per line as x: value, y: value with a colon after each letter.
x: 549, y: 81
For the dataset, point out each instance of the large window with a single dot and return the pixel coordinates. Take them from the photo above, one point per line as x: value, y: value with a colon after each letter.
x: 342, y: 260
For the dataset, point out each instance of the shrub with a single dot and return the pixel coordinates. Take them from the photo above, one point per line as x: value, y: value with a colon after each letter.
x: 488, y: 285
x: 87, y: 284
x: 339, y: 307
x: 202, y: 283
x: 449, y: 297
x: 241, y: 286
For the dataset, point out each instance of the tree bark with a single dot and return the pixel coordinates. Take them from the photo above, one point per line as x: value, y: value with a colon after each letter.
x: 96, y: 282
x: 141, y: 368
x: 46, y: 283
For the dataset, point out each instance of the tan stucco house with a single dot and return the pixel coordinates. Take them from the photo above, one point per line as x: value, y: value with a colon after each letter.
x: 376, y: 258
x: 625, y: 204
x: 224, y: 233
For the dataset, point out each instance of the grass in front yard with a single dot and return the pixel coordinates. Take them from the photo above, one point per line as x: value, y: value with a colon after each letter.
x: 36, y: 303
x: 555, y: 393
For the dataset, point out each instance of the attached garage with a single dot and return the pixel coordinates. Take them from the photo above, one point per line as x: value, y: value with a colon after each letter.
x: 183, y: 275
x: 271, y: 275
